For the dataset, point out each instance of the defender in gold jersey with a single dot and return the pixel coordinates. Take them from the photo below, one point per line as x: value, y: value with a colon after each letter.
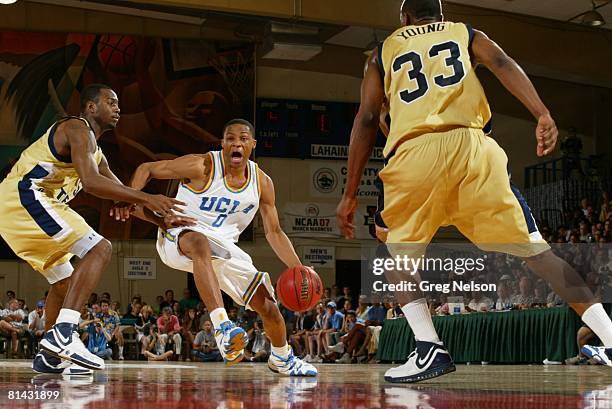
x: 441, y: 168
x: 43, y: 230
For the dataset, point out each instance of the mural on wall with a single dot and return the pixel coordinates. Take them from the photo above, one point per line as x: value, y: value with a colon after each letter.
x: 175, y: 96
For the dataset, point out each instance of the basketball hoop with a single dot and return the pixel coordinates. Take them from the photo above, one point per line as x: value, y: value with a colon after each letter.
x: 238, y: 69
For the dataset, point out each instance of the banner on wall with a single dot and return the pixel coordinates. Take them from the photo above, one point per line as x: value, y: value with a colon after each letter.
x: 319, y: 256
x: 302, y: 219
x: 328, y: 179
x: 139, y: 268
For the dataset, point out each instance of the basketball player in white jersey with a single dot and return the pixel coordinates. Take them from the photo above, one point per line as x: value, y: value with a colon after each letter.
x: 223, y: 191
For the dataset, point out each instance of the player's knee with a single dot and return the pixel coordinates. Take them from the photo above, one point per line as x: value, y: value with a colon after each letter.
x: 194, y: 244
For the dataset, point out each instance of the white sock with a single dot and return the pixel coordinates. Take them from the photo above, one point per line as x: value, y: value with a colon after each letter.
x: 599, y: 321
x: 67, y: 316
x: 120, y: 350
x: 418, y: 317
x: 218, y: 316
x: 280, y: 351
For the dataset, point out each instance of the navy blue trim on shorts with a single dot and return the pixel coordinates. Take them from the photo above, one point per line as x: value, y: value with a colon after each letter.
x: 381, y: 66
x: 488, y: 128
x: 380, y: 206
x: 531, y: 225
x: 36, y: 210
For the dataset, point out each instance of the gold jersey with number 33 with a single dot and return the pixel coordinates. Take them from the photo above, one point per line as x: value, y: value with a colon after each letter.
x: 430, y: 83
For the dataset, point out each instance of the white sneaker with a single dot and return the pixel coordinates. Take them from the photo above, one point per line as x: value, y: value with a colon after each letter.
x: 338, y: 348
x: 344, y: 359
x: 231, y: 341
x: 317, y: 360
x: 429, y: 360
x: 63, y: 341
x: 602, y: 355
x: 290, y: 365
x: 308, y: 358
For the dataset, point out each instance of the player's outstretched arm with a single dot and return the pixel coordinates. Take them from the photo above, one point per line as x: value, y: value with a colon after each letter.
x: 121, y: 210
x: 82, y: 147
x: 185, y: 167
x: 277, y: 238
x: 512, y: 76
x: 363, y: 138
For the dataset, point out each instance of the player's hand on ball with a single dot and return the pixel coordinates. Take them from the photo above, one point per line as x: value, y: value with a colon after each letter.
x: 121, y: 211
x: 345, y: 214
x: 171, y: 221
x: 546, y: 135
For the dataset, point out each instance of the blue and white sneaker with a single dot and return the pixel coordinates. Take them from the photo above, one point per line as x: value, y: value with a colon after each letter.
x: 602, y: 355
x: 428, y: 360
x: 44, y: 362
x: 63, y: 341
x: 231, y: 341
x: 290, y: 365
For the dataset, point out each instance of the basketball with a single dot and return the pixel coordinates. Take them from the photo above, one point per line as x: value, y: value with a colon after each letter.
x: 299, y: 288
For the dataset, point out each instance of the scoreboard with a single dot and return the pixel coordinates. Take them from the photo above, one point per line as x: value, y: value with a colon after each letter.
x: 306, y: 129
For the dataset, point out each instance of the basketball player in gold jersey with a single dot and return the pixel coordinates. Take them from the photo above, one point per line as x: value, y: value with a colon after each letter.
x: 43, y: 230
x: 442, y: 169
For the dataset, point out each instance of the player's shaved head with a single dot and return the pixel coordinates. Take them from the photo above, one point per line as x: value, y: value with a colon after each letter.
x: 240, y: 122
x: 91, y: 93
x: 422, y: 10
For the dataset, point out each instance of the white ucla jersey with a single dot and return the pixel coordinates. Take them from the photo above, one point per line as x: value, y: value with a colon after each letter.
x: 219, y: 207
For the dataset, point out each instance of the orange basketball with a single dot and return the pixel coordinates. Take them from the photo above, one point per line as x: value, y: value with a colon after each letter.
x: 299, y: 288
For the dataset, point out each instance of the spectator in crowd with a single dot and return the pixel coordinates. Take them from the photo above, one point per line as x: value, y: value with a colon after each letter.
x: 350, y: 321
x: 36, y: 324
x: 23, y: 306
x: 146, y: 320
x: 11, y: 323
x: 525, y: 298
x: 115, y: 307
x: 168, y: 301
x: 106, y: 296
x: 479, y: 303
x: 110, y: 322
x: 189, y: 327
x: 134, y: 312
x: 346, y: 296
x: 169, y: 330
x: 10, y: 295
x: 376, y: 313
x: 232, y: 314
x: 98, y: 339
x: 326, y: 294
x: 362, y: 308
x: 188, y: 301
x: 350, y: 342
x: 504, y: 294
x: 156, y: 347
x: 202, y: 314
x: 335, y: 294
x: 335, y: 319
x: 95, y: 309
x: 137, y: 299
x: 583, y: 231
x: 205, y: 347
x: 313, y: 346
x: 395, y: 311
x: 159, y: 301
x: 93, y: 299
x: 260, y: 344
x: 302, y: 322
x: 176, y: 309
x: 85, y: 319
x: 346, y: 306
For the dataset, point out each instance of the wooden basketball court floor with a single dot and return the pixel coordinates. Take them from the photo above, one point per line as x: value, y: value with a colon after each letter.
x: 247, y: 385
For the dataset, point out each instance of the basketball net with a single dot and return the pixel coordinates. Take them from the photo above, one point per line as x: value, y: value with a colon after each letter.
x: 237, y: 69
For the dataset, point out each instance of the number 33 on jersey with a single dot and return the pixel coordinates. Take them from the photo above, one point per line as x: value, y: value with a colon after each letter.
x: 430, y: 82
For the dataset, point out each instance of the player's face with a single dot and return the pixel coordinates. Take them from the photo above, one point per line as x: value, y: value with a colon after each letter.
x: 107, y: 109
x: 238, y: 144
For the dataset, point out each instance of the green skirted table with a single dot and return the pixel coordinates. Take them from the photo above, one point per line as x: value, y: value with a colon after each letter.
x: 528, y: 336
